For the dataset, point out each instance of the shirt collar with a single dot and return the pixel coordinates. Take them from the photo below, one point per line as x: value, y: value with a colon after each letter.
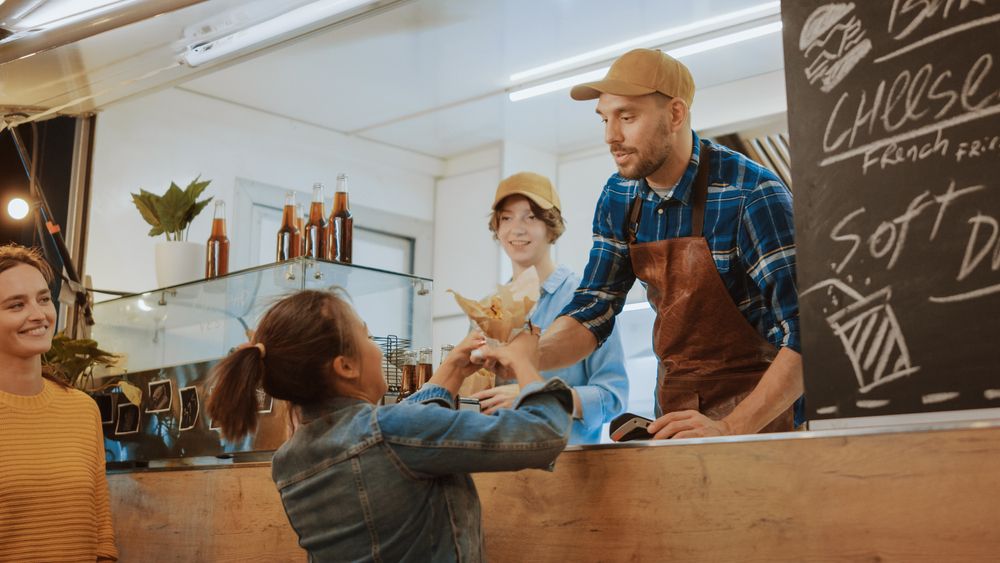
x: 555, y: 279
x: 322, y: 408
x: 682, y: 190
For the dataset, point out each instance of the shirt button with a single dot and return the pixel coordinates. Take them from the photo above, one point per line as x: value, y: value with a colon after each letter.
x: 659, y: 211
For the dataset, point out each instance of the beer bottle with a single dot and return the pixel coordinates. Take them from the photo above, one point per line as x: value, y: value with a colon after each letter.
x: 408, y: 385
x: 424, y: 369
x: 341, y: 225
x: 445, y: 350
x: 288, y: 233
x: 217, y: 257
x: 315, y: 228
x: 300, y: 224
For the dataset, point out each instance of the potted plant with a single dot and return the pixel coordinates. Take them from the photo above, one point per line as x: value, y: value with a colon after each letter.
x: 73, y: 360
x: 177, y: 260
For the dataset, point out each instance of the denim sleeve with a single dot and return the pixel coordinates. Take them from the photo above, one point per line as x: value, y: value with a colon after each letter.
x: 431, y: 439
x: 607, y: 277
x: 605, y: 394
x: 766, y: 242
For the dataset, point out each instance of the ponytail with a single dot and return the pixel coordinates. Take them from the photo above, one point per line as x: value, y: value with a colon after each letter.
x: 232, y: 403
x: 298, y: 359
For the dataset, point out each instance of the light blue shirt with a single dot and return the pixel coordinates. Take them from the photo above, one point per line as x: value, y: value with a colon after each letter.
x: 600, y: 379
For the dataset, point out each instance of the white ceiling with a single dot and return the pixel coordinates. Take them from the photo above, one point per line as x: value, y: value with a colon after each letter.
x: 427, y: 75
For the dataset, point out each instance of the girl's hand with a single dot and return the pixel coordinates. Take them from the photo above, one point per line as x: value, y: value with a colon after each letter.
x: 458, y: 365
x: 518, y: 358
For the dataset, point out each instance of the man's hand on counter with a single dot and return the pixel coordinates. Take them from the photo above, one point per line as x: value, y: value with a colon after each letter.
x: 687, y: 424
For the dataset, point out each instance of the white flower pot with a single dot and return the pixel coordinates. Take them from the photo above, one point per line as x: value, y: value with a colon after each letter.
x: 179, y: 262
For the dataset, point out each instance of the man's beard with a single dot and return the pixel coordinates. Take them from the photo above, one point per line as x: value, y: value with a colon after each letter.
x: 650, y: 163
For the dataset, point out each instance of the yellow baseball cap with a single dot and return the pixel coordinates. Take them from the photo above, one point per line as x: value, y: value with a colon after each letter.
x: 533, y: 186
x: 640, y: 72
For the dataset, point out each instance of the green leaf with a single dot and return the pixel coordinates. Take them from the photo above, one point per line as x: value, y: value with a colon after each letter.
x: 73, y: 359
x: 194, y: 189
x: 172, y: 209
x: 195, y: 210
x: 146, y: 209
x: 171, y: 213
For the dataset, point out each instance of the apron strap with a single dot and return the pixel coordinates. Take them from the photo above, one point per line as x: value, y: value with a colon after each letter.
x: 700, y: 194
x: 633, y: 216
x: 698, y: 198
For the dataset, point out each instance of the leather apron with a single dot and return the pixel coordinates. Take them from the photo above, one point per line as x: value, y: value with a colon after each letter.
x: 710, y: 356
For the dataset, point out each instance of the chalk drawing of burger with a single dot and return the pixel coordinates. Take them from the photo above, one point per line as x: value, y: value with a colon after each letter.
x: 834, y: 41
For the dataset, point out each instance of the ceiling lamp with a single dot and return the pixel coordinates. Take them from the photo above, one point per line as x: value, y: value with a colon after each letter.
x: 274, y: 28
x: 717, y: 25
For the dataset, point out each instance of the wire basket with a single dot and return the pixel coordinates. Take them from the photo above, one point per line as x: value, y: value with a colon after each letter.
x: 393, y: 351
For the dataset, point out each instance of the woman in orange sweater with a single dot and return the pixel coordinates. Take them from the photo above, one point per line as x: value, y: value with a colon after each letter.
x: 53, y: 491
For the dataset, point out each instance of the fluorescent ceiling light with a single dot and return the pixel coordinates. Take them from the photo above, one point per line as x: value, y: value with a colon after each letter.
x: 724, y: 40
x: 659, y: 38
x: 552, y: 86
x: 680, y: 52
x: 285, y: 23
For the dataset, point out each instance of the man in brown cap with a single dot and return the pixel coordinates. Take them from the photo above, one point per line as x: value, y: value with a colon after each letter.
x: 709, y: 233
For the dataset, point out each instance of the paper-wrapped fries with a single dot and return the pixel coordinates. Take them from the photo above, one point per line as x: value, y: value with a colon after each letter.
x: 503, y: 315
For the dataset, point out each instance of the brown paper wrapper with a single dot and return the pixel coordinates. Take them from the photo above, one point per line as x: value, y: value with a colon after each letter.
x: 479, y: 381
x: 504, y: 314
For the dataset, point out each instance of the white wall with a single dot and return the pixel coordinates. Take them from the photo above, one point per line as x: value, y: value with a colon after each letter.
x: 174, y: 135
x: 465, y: 254
x: 581, y: 178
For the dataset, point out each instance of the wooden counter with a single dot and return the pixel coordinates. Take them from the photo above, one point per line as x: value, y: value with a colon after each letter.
x: 927, y: 495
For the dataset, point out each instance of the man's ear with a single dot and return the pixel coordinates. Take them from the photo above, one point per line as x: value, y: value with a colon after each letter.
x: 678, y: 114
x: 346, y: 367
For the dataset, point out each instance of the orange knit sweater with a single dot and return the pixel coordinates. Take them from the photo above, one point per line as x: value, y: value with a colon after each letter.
x: 53, y: 491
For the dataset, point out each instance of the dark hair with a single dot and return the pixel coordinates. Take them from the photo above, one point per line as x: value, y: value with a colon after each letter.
x: 12, y: 255
x: 552, y: 218
x: 301, y: 334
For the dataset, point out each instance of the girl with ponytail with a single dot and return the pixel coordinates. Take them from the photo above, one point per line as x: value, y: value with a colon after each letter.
x: 365, y: 482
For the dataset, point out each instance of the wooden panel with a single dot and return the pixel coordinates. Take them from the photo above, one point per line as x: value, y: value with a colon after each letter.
x: 916, y: 496
x: 229, y: 514
x: 925, y: 496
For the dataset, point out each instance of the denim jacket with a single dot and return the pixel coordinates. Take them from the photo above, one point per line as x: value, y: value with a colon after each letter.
x: 366, y: 483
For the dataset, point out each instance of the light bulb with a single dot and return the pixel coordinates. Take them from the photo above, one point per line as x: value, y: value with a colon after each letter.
x: 18, y: 208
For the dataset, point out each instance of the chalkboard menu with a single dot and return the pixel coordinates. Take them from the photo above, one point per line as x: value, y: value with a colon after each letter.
x: 894, y: 122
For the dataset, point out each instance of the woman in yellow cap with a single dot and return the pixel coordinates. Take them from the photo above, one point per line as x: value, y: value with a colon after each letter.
x: 526, y: 220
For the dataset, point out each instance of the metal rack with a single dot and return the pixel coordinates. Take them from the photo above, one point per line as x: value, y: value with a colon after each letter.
x: 393, y: 348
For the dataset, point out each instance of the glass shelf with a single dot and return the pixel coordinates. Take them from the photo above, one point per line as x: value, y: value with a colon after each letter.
x: 172, y: 337
x: 202, y: 320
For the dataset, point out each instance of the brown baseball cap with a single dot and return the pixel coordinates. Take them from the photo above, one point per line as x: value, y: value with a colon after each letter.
x: 640, y: 72
x: 533, y: 186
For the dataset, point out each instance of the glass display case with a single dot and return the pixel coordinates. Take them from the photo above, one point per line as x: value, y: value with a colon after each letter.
x: 170, y: 338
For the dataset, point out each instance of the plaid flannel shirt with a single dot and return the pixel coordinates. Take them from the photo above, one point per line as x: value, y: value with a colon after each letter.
x: 748, y: 226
